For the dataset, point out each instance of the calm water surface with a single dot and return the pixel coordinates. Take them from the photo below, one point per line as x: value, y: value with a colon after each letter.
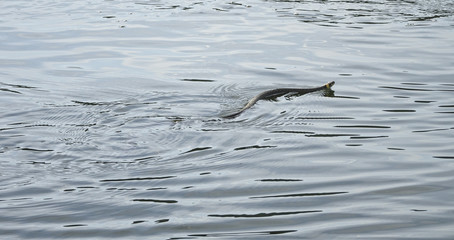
x: 110, y: 122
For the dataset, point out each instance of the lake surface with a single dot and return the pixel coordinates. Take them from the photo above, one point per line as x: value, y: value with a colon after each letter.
x: 111, y: 120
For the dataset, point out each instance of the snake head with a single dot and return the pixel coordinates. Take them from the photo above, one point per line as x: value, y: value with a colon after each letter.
x: 330, y: 84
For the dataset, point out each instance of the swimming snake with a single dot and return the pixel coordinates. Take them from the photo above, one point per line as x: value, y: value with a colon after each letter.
x: 278, y: 92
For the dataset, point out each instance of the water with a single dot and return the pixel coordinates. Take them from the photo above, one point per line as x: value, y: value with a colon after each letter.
x: 110, y: 120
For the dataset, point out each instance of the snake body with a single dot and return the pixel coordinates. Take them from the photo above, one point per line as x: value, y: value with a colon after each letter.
x: 278, y: 92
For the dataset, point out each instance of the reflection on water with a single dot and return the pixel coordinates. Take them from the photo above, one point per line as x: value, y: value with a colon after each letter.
x: 356, y: 14
x: 110, y: 126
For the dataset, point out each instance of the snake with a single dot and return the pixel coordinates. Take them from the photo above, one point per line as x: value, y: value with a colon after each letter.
x: 278, y: 92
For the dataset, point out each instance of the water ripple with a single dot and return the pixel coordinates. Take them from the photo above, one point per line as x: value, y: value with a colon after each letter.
x: 110, y: 122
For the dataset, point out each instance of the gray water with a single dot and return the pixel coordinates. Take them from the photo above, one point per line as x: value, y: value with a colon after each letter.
x: 111, y: 127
